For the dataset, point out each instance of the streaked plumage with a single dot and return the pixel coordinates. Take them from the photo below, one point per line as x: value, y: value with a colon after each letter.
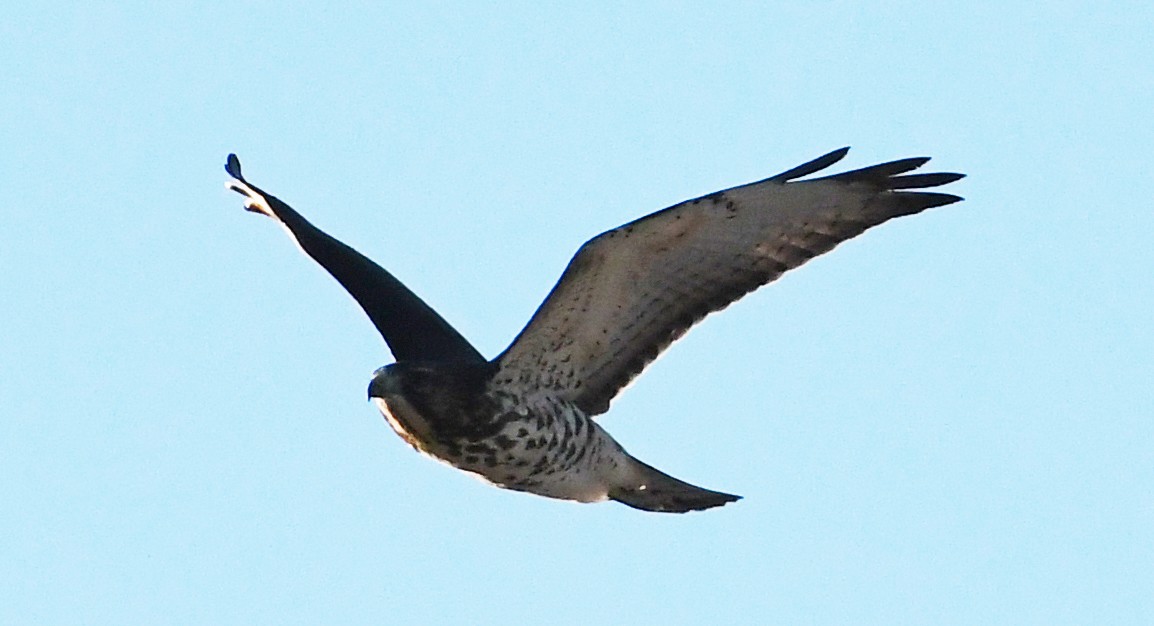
x: 523, y: 420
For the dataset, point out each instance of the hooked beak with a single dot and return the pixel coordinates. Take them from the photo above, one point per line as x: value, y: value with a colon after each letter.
x: 383, y: 384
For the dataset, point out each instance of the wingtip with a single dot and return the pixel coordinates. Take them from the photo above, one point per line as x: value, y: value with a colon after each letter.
x: 810, y: 167
x: 255, y: 200
x: 952, y: 198
x: 232, y: 166
x: 836, y: 155
x: 929, y: 200
x: 921, y: 181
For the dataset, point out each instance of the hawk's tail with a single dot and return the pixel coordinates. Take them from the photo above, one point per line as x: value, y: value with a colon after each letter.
x: 653, y: 490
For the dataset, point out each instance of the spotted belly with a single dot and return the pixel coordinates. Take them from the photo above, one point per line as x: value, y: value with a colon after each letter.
x: 549, y: 448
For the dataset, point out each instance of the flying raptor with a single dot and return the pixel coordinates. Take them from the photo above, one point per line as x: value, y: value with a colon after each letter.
x: 524, y: 420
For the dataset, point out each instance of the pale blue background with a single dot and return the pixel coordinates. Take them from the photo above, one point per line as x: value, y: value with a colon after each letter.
x: 948, y: 420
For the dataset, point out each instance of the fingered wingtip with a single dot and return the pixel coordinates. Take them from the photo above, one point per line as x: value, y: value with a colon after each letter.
x: 254, y: 199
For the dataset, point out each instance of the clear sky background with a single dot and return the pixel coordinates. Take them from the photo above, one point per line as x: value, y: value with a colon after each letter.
x: 947, y: 420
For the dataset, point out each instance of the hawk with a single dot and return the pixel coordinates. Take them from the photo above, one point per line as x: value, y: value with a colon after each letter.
x: 524, y: 420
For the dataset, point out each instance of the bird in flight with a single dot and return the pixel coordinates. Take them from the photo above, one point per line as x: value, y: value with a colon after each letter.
x: 524, y: 420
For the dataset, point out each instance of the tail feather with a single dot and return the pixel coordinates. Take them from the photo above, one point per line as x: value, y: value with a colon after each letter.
x: 654, y: 490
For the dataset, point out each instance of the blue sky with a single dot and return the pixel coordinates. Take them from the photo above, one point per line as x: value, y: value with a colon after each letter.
x: 947, y: 420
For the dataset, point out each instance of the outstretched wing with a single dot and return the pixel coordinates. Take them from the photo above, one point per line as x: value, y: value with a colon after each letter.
x: 630, y: 292
x: 413, y: 330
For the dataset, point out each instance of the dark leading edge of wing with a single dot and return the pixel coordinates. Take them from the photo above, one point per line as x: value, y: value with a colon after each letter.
x: 630, y: 292
x: 412, y: 329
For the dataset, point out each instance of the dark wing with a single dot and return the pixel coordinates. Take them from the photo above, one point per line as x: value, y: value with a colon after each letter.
x: 630, y: 292
x: 413, y: 330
